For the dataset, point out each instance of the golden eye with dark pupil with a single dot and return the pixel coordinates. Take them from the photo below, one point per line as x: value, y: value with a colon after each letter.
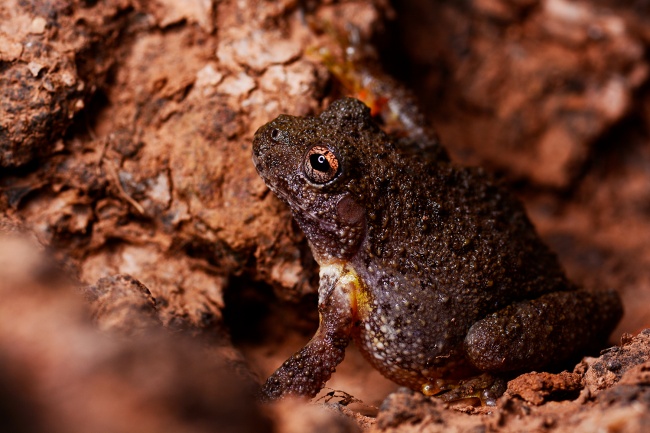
x: 321, y: 165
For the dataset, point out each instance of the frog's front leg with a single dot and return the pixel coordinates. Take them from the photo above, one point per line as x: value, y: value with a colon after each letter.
x: 544, y: 331
x: 305, y: 373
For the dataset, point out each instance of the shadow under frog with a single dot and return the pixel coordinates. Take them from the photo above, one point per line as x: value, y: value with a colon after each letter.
x: 434, y: 270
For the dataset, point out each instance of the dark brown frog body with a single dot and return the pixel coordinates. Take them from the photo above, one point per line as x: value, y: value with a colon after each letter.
x: 434, y: 270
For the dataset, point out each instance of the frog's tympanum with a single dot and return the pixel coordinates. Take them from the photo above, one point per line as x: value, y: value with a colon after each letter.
x: 433, y: 270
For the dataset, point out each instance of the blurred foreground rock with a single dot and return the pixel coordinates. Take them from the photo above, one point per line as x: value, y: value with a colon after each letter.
x: 61, y: 374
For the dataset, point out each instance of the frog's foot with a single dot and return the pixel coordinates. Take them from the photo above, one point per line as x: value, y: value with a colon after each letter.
x: 484, y: 388
x: 305, y: 373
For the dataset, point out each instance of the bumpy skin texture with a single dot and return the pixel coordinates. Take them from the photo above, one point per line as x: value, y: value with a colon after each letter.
x: 433, y: 269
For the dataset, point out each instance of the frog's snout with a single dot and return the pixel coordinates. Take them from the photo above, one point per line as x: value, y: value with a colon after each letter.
x: 259, y: 139
x: 260, y: 147
x: 266, y: 137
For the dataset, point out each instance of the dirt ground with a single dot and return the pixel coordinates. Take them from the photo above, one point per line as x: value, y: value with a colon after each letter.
x: 148, y: 279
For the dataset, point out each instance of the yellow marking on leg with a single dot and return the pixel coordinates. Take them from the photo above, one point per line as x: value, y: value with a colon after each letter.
x: 357, y: 290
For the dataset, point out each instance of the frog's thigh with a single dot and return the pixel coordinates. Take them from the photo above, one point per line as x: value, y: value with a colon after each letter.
x: 531, y: 334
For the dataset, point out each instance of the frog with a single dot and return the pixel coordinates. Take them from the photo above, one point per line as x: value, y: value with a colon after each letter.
x: 432, y: 269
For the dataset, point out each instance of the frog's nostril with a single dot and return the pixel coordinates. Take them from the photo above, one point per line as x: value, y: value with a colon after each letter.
x: 261, y: 148
x: 275, y: 134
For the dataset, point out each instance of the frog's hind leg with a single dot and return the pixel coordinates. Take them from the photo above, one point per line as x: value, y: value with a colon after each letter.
x: 531, y: 334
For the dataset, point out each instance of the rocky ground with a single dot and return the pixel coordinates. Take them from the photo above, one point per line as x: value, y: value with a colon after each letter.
x: 149, y: 280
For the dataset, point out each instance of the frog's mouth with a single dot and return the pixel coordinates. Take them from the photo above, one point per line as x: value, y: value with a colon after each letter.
x: 300, y: 211
x: 297, y: 208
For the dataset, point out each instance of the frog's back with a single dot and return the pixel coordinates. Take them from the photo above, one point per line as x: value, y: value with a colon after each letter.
x: 456, y: 230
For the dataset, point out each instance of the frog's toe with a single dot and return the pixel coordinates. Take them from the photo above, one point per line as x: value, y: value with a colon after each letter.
x: 483, y: 389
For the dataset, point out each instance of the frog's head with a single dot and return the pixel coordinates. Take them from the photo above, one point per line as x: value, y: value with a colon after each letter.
x: 320, y: 167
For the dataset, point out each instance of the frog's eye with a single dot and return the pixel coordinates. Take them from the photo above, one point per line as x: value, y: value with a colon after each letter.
x: 321, y: 164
